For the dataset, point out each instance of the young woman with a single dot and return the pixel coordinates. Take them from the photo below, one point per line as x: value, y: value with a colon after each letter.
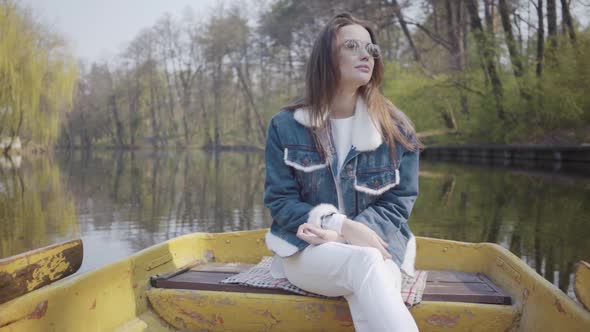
x: 341, y: 181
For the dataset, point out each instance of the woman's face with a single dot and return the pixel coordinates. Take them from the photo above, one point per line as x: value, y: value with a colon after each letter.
x: 356, y: 64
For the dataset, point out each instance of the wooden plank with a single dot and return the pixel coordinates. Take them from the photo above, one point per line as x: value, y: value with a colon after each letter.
x: 222, y: 267
x: 34, y: 269
x: 211, y: 281
x: 446, y: 286
x: 464, y: 292
x: 453, y: 276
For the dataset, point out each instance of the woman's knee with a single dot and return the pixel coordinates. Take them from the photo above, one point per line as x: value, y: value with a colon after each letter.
x: 367, y: 256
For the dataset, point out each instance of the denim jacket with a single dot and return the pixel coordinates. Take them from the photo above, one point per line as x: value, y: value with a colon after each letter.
x: 301, y: 185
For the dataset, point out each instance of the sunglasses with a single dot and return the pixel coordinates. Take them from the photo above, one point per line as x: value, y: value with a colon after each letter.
x: 354, y: 46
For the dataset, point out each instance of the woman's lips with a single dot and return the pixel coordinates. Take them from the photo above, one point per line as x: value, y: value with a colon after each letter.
x: 363, y: 68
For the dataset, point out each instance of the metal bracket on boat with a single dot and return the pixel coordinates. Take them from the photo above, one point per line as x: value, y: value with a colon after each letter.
x: 164, y: 276
x: 511, y: 271
x: 158, y: 262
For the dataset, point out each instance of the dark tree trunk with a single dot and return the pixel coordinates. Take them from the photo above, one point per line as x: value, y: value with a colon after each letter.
x: 517, y: 66
x: 402, y: 22
x: 489, y: 15
x: 567, y: 20
x: 205, y: 119
x: 252, y: 105
x: 454, y: 19
x: 509, y: 36
x: 552, y: 23
x: 117, y: 118
x: 217, y: 104
x: 487, y: 54
x: 154, y: 121
x: 540, y: 39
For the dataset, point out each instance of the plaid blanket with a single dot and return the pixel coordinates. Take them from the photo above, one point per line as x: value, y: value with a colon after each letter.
x: 259, y: 276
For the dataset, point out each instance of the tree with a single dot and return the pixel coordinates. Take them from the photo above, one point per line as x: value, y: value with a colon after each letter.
x: 486, y: 50
x: 37, y: 78
x: 515, y: 56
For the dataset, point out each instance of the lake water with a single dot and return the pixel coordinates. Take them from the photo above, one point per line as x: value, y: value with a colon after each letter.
x: 122, y: 202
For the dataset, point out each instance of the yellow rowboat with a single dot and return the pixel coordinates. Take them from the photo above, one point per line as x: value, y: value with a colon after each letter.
x: 119, y: 297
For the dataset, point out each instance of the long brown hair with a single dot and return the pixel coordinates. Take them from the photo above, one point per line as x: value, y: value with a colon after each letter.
x: 322, y: 80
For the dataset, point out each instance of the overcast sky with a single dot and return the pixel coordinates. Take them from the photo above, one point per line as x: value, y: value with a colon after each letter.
x: 99, y: 29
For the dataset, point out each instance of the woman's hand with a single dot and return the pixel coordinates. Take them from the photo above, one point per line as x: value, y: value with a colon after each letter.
x: 313, y: 234
x: 360, y: 235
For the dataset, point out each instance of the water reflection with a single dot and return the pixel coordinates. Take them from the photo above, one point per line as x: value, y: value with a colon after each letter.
x: 143, y: 198
x: 122, y: 202
x: 540, y: 217
x: 35, y: 208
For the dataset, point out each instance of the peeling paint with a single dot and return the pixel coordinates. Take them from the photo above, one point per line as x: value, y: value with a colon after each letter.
x: 443, y: 320
x: 47, y: 269
x: 39, y: 310
x: 559, y: 307
x: 26, y: 272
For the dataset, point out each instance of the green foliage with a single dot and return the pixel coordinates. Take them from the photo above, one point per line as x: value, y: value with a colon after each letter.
x: 421, y: 98
x: 37, y: 77
x: 558, y: 100
x: 188, y: 83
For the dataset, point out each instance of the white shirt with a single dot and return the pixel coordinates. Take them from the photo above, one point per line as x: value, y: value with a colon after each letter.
x: 342, y: 135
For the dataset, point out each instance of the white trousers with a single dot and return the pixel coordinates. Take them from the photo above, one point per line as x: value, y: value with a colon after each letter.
x: 371, y: 285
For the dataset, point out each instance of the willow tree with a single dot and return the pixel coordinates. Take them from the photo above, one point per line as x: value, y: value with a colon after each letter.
x: 37, y: 78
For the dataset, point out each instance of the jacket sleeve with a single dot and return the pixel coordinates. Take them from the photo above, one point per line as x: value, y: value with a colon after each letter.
x: 393, y: 207
x: 282, y: 190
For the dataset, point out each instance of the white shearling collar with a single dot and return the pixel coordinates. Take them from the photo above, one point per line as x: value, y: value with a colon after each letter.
x: 366, y: 135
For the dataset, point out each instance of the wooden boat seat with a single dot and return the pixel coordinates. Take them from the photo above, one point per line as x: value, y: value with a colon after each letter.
x: 448, y: 286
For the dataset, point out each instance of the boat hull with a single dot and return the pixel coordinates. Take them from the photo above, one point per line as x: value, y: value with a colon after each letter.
x: 118, y: 297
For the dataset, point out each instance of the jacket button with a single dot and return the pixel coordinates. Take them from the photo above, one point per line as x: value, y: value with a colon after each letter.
x: 349, y: 167
x: 306, y: 161
x: 375, y: 183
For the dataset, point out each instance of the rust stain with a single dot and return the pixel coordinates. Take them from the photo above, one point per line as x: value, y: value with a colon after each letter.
x: 342, y: 314
x: 312, y: 311
x: 93, y: 306
x: 220, y: 319
x: 39, y: 310
x: 134, y: 285
x: 468, y: 313
x: 224, y: 301
x: 559, y: 307
x: 200, y: 318
x: 268, y: 314
x: 180, y: 321
x: 443, y: 320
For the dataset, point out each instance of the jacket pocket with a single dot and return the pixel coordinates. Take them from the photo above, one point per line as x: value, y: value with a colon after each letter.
x: 311, y: 171
x: 303, y: 159
x: 376, y: 182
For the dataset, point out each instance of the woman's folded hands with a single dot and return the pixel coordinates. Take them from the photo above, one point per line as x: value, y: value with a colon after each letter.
x: 352, y: 232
